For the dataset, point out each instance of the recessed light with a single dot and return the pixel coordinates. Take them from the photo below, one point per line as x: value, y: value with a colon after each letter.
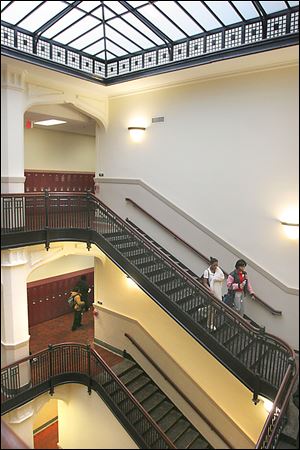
x: 50, y: 122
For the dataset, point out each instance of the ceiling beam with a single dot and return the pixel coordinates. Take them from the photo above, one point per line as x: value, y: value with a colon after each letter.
x: 147, y: 22
x: 54, y: 19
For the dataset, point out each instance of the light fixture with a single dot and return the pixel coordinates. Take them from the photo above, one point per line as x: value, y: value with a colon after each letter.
x: 291, y: 230
x: 268, y: 405
x: 136, y: 133
x: 50, y: 122
x: 289, y: 219
x: 130, y: 281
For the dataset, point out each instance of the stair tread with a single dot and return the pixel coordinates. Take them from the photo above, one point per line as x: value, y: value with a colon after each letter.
x: 123, y: 366
x: 187, y: 438
x: 178, y: 429
x: 130, y: 375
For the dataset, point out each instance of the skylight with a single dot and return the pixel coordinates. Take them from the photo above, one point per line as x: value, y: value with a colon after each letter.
x: 89, y: 36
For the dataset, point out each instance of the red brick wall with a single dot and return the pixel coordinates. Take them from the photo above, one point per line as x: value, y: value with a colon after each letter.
x: 47, y: 298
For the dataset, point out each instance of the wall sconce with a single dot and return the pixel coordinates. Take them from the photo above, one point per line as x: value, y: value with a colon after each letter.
x: 130, y: 281
x: 268, y: 405
x: 136, y: 133
x: 291, y: 230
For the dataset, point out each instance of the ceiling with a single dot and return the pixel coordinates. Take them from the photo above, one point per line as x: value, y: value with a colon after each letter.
x: 75, y: 121
x: 113, y: 39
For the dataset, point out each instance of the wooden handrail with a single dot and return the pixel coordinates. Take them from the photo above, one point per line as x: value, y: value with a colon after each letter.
x: 9, y: 439
x: 277, y: 403
x: 177, y: 389
x: 259, y: 300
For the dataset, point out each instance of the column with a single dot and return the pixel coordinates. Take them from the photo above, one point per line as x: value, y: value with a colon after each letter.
x: 13, y: 97
x: 14, y: 310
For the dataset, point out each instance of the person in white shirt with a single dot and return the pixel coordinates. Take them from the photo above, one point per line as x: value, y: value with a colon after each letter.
x: 213, y: 278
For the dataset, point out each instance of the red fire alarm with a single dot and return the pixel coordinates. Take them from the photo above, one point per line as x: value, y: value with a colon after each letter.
x: 29, y: 124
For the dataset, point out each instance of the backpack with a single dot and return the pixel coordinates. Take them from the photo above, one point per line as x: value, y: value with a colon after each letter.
x: 228, y: 298
x: 71, y: 301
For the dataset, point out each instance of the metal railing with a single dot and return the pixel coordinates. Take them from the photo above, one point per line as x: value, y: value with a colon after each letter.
x: 258, y: 359
x: 265, y: 305
x: 73, y: 362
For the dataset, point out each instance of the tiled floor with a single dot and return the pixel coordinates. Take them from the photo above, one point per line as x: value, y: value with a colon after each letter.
x: 57, y: 331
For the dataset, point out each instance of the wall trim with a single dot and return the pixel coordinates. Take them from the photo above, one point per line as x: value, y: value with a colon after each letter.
x: 13, y: 179
x: 63, y: 276
x: 108, y: 346
x: 45, y: 425
x: 237, y: 253
x: 15, y: 345
x: 60, y: 171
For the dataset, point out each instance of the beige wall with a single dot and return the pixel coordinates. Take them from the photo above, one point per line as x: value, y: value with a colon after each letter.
x: 84, y: 421
x: 45, y: 414
x: 227, y: 155
x: 65, y: 264
x: 193, y: 369
x: 54, y: 150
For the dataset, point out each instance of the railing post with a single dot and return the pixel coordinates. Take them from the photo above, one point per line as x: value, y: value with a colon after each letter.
x: 88, y: 201
x: 47, y: 244
x: 50, y: 348
x: 88, y: 354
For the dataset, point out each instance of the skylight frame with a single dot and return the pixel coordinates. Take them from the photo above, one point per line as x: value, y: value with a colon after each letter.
x: 110, y: 55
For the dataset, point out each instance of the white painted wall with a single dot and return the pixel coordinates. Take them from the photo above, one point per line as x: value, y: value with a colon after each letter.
x: 227, y: 155
x: 65, y: 264
x: 55, y: 150
x: 114, y: 191
x: 84, y: 421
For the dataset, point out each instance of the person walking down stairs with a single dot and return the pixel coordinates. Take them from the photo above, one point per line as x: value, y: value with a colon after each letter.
x: 213, y: 278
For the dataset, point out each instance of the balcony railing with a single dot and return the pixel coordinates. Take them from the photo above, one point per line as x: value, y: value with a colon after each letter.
x: 72, y: 362
x: 261, y: 361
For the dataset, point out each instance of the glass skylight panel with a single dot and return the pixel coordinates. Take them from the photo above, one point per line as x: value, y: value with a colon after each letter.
x: 143, y: 28
x: 76, y: 29
x: 119, y: 24
x: 89, y: 5
x: 115, y: 49
x: 271, y: 7
x: 119, y: 39
x: 3, y: 4
x: 224, y: 11
x: 88, y: 38
x: 62, y: 23
x: 17, y: 10
x: 201, y: 14
x: 161, y: 22
x: 115, y: 6
x: 109, y: 56
x: 108, y: 13
x: 290, y: 3
x: 136, y: 3
x: 180, y: 17
x: 41, y: 15
x: 95, y: 48
x: 246, y: 9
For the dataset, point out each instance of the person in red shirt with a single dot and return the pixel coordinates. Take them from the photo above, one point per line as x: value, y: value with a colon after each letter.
x: 239, y: 282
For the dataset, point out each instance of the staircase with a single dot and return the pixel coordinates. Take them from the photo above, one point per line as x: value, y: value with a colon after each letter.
x: 257, y: 359
x: 247, y: 347
x: 167, y: 416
